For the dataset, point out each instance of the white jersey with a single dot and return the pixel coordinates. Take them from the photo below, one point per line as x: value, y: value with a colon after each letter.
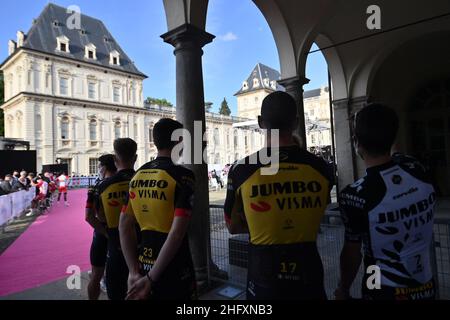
x: 43, y: 187
x: 62, y: 180
x: 391, y: 210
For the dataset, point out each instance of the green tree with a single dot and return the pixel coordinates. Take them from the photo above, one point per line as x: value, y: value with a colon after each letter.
x: 159, y: 102
x: 208, y: 106
x: 224, y: 108
x: 2, y: 95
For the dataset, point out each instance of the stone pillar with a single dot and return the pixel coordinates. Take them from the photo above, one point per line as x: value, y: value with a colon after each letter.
x: 190, y: 106
x: 294, y: 86
x: 350, y: 166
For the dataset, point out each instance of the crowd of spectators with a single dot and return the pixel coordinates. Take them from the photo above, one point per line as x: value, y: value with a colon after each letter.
x: 15, y: 182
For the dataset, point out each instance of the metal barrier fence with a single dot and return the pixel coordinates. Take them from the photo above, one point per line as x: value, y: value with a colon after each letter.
x: 81, y: 182
x: 228, y: 252
x: 442, y: 256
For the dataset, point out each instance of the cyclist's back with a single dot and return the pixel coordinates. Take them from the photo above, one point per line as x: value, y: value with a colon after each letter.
x: 283, y: 213
x: 391, y: 209
x: 388, y: 213
x: 159, y: 192
x: 113, y: 193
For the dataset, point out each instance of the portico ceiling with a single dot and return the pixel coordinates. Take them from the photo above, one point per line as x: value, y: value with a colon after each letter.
x: 332, y: 24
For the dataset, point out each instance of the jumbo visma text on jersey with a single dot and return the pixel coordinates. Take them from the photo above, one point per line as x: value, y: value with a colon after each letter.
x: 287, y: 207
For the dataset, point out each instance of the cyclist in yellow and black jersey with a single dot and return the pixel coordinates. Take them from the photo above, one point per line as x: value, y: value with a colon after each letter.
x: 160, y: 200
x: 113, y: 193
x: 99, y: 246
x: 281, y: 212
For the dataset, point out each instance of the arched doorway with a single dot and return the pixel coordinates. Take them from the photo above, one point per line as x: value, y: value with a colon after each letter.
x: 429, y: 128
x: 419, y: 89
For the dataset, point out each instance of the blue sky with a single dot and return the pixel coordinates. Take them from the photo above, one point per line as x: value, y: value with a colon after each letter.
x: 243, y: 39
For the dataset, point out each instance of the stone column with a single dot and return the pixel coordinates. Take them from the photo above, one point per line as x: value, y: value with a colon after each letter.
x: 188, y: 41
x: 350, y: 166
x: 294, y: 86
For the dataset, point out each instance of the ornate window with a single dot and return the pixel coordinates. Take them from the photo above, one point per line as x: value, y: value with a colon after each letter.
x: 93, y: 166
x: 114, y: 58
x: 63, y: 86
x: 63, y: 44
x: 91, y: 90
x: 65, y: 128
x: 93, y: 130
x: 38, y: 122
x: 150, y: 133
x: 116, y: 94
x: 90, y: 52
x: 216, y: 137
x: 117, y: 128
x: 273, y: 84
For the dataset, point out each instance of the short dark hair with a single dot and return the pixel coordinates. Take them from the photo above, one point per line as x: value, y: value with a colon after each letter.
x: 107, y: 160
x: 375, y: 128
x: 279, y: 111
x: 162, y: 133
x: 125, y: 148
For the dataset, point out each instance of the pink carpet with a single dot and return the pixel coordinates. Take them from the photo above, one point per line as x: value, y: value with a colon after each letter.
x: 44, y: 251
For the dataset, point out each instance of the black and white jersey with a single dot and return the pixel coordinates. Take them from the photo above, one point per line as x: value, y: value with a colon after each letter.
x: 391, y: 211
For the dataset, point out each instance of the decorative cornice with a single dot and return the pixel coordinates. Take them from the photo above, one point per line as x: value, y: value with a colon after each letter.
x: 352, y: 102
x: 297, y: 81
x: 56, y: 57
x: 65, y: 101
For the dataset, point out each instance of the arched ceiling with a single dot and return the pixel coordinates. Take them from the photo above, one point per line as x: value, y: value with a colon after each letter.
x: 296, y: 24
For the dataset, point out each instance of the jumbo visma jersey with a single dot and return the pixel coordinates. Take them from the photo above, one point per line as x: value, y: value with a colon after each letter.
x: 391, y: 212
x: 283, y: 212
x: 160, y: 191
x: 113, y: 195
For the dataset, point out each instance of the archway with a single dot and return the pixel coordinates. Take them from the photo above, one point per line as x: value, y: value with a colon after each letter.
x: 422, y: 104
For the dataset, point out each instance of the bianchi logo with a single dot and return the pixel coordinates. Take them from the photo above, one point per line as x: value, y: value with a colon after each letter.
x: 260, y: 207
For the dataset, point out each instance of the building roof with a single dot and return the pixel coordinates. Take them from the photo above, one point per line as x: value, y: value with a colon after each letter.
x: 260, y: 72
x: 52, y: 24
x: 314, y: 93
x: 311, y: 93
x: 316, y: 125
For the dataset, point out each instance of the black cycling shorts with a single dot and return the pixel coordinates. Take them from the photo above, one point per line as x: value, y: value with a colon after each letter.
x: 285, y: 272
x: 99, y: 249
x: 116, y: 276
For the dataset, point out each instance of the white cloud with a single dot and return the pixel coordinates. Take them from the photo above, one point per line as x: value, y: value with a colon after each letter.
x: 229, y: 36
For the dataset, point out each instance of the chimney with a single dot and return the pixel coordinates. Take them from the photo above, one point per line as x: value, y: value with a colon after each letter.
x: 11, y: 47
x: 20, y: 38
